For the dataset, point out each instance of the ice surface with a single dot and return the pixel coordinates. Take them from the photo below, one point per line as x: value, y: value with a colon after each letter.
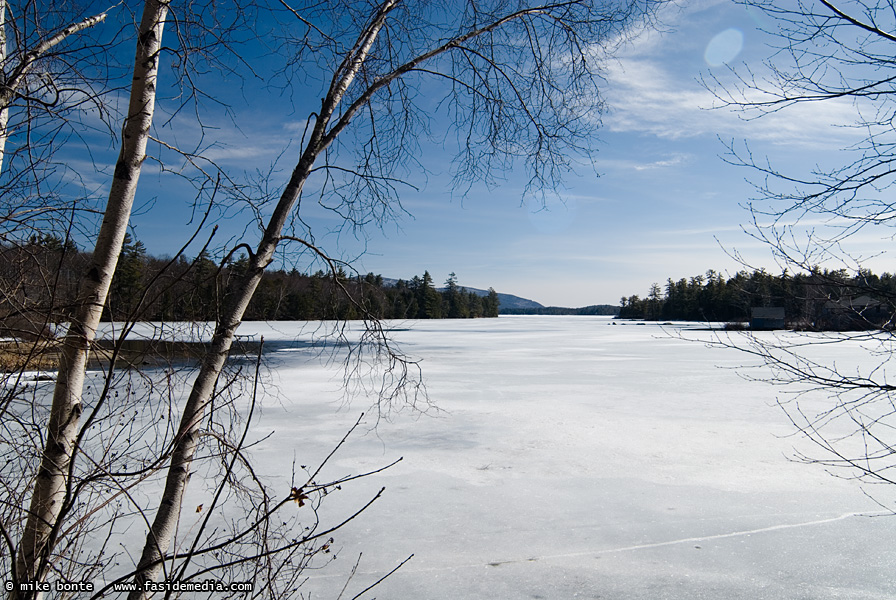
x: 572, y: 458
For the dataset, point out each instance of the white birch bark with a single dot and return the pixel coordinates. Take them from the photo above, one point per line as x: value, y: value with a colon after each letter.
x: 164, y: 525
x: 327, y: 127
x: 52, y: 482
x: 4, y: 108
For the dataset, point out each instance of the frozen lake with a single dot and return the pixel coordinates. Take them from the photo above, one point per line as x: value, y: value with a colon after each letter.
x: 572, y: 458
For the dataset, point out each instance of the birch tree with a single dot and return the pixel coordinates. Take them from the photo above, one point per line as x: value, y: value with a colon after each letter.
x: 52, y: 483
x: 522, y: 79
x: 516, y: 86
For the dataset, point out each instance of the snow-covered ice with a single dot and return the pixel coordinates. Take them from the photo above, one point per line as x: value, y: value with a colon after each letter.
x: 572, y: 458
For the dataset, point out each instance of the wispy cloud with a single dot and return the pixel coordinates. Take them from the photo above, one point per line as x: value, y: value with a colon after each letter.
x: 666, y: 160
x: 647, y: 97
x: 653, y: 101
x: 255, y: 143
x: 674, y: 160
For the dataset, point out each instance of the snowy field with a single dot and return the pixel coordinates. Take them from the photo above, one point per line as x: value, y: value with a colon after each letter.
x: 572, y: 458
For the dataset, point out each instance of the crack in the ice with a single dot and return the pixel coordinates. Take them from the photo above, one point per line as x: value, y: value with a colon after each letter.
x: 598, y: 553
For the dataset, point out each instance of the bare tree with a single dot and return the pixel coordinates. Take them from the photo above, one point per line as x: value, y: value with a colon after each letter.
x: 54, y: 66
x: 19, y: 65
x: 519, y: 85
x: 522, y: 81
x: 51, y: 486
x: 830, y: 52
x: 64, y: 483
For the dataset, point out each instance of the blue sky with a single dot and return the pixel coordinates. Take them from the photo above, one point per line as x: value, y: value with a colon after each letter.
x: 665, y: 204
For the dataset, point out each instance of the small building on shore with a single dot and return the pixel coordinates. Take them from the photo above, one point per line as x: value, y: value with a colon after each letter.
x: 767, y: 317
x: 861, y: 312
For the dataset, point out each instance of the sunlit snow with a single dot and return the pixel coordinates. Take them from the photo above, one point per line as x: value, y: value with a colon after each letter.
x: 569, y: 457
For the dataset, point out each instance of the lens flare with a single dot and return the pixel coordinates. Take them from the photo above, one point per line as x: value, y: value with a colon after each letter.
x: 724, y: 47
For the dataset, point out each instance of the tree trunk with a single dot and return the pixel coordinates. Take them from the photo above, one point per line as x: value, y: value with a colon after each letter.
x: 165, y: 523
x: 52, y: 483
x: 4, y: 109
x: 163, y: 527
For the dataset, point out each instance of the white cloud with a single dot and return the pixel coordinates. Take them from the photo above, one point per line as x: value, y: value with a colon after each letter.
x: 296, y: 127
x: 647, y: 98
x: 667, y: 161
x: 674, y: 160
x: 255, y: 144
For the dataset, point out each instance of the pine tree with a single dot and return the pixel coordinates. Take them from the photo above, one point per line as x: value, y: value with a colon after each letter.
x: 491, y: 303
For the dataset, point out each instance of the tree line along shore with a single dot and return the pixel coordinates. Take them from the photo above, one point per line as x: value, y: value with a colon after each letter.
x: 817, y: 299
x: 42, y: 276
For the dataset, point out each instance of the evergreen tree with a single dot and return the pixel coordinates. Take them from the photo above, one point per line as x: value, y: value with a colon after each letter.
x: 654, y: 302
x: 430, y: 299
x: 127, y: 282
x: 491, y: 304
x: 456, y: 302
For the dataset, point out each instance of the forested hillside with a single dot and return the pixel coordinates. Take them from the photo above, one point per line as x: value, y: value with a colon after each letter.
x: 594, y: 309
x: 41, y: 277
x: 809, y: 299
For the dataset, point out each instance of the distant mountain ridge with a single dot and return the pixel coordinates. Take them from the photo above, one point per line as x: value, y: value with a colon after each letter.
x: 504, y: 300
x: 508, y: 301
x: 594, y: 309
x: 508, y: 304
